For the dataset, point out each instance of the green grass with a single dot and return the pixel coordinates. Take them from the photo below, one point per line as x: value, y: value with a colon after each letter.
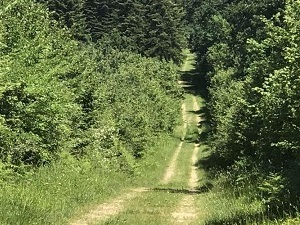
x: 192, y: 129
x: 54, y: 194
x: 192, y: 133
x: 220, y: 204
x: 183, y: 168
x: 154, y: 207
x: 178, y: 130
x: 152, y: 168
x: 223, y: 204
x: 225, y: 208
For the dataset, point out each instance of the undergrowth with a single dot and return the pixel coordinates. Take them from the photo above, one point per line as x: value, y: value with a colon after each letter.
x: 232, y: 201
x: 53, y: 194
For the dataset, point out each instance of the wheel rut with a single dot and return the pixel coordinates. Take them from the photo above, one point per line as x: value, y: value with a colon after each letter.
x: 106, y: 210
x: 170, y: 172
x: 185, y: 212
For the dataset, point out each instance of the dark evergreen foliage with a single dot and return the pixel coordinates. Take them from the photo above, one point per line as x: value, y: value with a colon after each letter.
x: 153, y: 28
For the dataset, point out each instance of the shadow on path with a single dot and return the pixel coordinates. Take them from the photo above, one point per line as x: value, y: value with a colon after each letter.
x: 203, y: 189
x: 194, y: 83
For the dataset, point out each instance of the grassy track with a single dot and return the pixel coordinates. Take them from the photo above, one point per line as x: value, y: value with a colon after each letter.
x: 61, y: 193
x: 154, y: 207
x: 55, y: 194
x: 66, y: 193
x: 168, y: 201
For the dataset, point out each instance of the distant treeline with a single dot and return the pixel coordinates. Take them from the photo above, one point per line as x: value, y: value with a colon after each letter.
x: 150, y: 27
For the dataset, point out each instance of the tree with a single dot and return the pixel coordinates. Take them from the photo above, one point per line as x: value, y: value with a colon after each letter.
x: 70, y: 14
x: 164, y: 34
x: 151, y: 28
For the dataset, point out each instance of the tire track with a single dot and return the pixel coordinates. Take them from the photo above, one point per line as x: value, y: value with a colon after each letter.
x: 106, y: 210
x: 185, y: 212
x: 172, y: 166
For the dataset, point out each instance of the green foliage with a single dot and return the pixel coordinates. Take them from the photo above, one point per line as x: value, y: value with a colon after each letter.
x: 134, y: 96
x: 59, y: 95
x: 37, y: 109
x: 250, y: 53
x: 272, y: 188
x: 70, y: 14
x: 76, y: 116
x: 152, y: 28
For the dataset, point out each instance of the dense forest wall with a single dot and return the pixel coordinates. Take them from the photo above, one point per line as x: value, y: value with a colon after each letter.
x: 69, y: 86
x: 248, y: 51
x: 152, y: 28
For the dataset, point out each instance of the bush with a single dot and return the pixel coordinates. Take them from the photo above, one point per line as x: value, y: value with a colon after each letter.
x: 59, y: 95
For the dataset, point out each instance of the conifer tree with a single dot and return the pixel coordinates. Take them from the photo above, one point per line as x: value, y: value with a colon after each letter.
x: 163, y: 30
x: 152, y: 28
x: 70, y: 14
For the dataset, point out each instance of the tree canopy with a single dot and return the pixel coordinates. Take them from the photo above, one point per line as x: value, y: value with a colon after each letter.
x: 152, y: 28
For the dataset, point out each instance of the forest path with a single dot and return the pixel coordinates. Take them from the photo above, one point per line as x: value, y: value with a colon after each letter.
x: 172, y: 166
x: 185, y: 212
x: 172, y: 201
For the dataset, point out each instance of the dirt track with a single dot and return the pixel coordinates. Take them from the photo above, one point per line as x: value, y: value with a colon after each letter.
x: 184, y: 212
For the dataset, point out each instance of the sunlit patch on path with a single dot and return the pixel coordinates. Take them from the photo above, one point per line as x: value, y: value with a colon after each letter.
x: 106, y: 210
x: 185, y: 212
x: 172, y: 166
